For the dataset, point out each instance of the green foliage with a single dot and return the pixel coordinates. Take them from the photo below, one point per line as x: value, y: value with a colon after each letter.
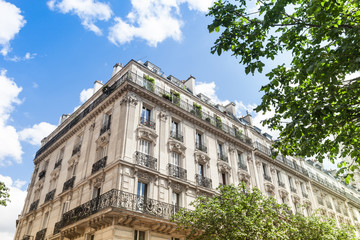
x: 150, y: 83
x: 320, y: 107
x: 239, y: 213
x: 176, y: 97
x: 167, y: 96
x: 197, y: 110
x: 4, y: 194
x: 218, y: 122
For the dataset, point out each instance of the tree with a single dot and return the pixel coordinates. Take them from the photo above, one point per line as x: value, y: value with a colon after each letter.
x: 4, y: 194
x: 316, y: 106
x: 240, y: 213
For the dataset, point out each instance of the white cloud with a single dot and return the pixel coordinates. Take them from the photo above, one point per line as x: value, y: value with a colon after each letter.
x: 27, y: 56
x: 209, y: 90
x: 153, y: 20
x: 86, y: 94
x: 10, y: 144
x: 13, y: 208
x: 36, y: 133
x: 11, y: 21
x: 89, y: 11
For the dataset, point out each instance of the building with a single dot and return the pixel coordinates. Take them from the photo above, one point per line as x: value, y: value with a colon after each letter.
x: 142, y: 147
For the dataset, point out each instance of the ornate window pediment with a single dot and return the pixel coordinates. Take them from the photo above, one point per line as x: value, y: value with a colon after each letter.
x: 283, y: 193
x: 269, y: 187
x: 307, y: 202
x: 146, y: 133
x: 176, y: 146
x: 244, y: 176
x: 144, y: 176
x: 177, y: 187
x: 103, y: 139
x: 224, y: 167
x: 201, y: 157
x: 295, y: 198
x: 55, y: 173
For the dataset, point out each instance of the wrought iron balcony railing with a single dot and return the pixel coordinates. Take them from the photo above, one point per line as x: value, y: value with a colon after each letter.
x: 50, y: 195
x: 58, y: 163
x: 223, y: 157
x: 76, y: 149
x: 203, y: 181
x: 243, y: 166
x: 176, y: 171
x: 26, y: 237
x: 177, y: 136
x: 281, y: 184
x: 100, y: 164
x: 104, y: 128
x: 147, y: 123
x: 117, y: 199
x: 293, y: 189
x: 267, y: 177
x: 201, y: 147
x: 40, y: 235
x: 42, y: 174
x: 69, y: 184
x: 34, y: 205
x: 146, y: 160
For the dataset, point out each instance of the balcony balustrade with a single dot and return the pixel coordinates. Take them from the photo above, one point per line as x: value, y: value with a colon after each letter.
x: 203, y: 181
x: 117, y: 199
x: 281, y: 184
x: 34, y: 205
x: 267, y: 177
x: 147, y: 123
x: 293, y: 189
x: 201, y: 147
x: 42, y: 174
x: 146, y: 160
x: 176, y: 171
x: 100, y: 164
x: 177, y: 136
x: 223, y: 157
x: 40, y: 235
x: 76, y: 149
x: 243, y: 166
x: 69, y: 184
x: 50, y: 195
x: 58, y: 163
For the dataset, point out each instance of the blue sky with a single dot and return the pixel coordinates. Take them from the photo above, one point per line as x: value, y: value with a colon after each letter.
x: 52, y: 51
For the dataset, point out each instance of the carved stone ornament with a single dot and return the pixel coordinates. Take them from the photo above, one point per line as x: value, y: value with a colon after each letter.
x: 297, y: 182
x: 269, y: 187
x: 55, y: 173
x: 163, y: 116
x: 244, y: 176
x: 249, y: 157
x: 98, y: 181
x: 295, y: 198
x: 272, y: 169
x: 92, y: 127
x: 307, y: 202
x: 283, y: 193
x: 147, y: 134
x: 177, y: 187
x: 73, y: 160
x: 130, y: 99
x: 39, y: 185
x: 175, y: 146
x: 224, y: 167
x: 144, y: 176
x: 201, y: 157
x: 103, y: 139
x: 258, y: 163
x: 232, y: 149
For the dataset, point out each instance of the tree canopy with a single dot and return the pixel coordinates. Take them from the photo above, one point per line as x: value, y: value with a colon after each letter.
x: 316, y: 105
x: 4, y: 194
x: 240, y: 213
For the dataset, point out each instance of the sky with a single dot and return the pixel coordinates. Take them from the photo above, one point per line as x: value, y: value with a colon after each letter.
x: 52, y: 51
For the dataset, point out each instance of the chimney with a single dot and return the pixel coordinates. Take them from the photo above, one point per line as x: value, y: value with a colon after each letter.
x: 231, y: 108
x: 97, y: 86
x: 190, y: 83
x: 117, y: 67
x: 248, y: 118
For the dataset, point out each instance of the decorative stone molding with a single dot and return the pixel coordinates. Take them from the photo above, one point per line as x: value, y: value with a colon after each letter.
x: 331, y: 214
x: 55, y: 173
x: 269, y: 187
x: 258, y: 163
x: 244, y: 176
x: 307, y: 202
x: 224, y: 167
x: 163, y: 116
x: 232, y: 149
x: 297, y: 182
x: 295, y: 198
x: 147, y: 134
x: 103, y: 139
x: 144, y: 176
x: 92, y: 127
x: 249, y: 157
x: 201, y: 157
x: 176, y: 146
x: 272, y: 170
x: 283, y: 193
x: 98, y: 181
x: 39, y: 185
x: 73, y: 160
x: 177, y: 187
x: 130, y: 99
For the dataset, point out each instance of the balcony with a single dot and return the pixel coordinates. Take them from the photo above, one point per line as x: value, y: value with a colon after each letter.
x: 40, y: 235
x: 69, y: 184
x: 104, y: 128
x: 77, y: 149
x: 178, y: 172
x: 146, y: 160
x: 223, y: 157
x: 267, y: 177
x: 58, y: 163
x: 201, y: 147
x: 203, y: 181
x: 281, y: 184
x: 34, y: 205
x: 50, y: 195
x: 100, y: 164
x: 42, y: 174
x: 293, y: 189
x: 147, y: 123
x: 243, y: 166
x: 117, y: 199
x: 176, y: 136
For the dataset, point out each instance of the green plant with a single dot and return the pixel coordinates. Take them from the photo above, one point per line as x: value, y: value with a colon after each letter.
x: 167, y: 96
x: 218, y: 122
x: 197, y: 110
x: 150, y: 82
x: 176, y: 97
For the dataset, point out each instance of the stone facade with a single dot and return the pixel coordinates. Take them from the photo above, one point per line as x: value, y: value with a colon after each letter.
x: 144, y: 146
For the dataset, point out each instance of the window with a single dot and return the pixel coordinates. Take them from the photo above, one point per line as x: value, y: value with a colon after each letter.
x: 220, y: 150
x: 102, y: 152
x: 106, y: 123
x: 283, y: 199
x: 291, y: 182
x: 139, y: 235
x: 96, y: 192
x: 175, y: 159
x: 77, y: 144
x: 141, y: 195
x: 65, y: 207
x: 175, y: 238
x: 199, y: 139
x: 145, y: 146
x: 241, y: 161
x: 266, y: 172
x: 176, y: 199
x: 145, y: 115
x: 279, y: 177
x: 201, y: 170
x: 223, y: 178
x: 264, y: 169
x: 45, y: 219
x: 175, y: 127
x: 28, y: 231
x: 61, y: 154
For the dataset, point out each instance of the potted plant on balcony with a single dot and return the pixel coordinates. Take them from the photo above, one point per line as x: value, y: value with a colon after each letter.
x: 149, y: 83
x: 197, y: 110
x: 218, y: 122
x: 175, y: 97
x: 167, y: 96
